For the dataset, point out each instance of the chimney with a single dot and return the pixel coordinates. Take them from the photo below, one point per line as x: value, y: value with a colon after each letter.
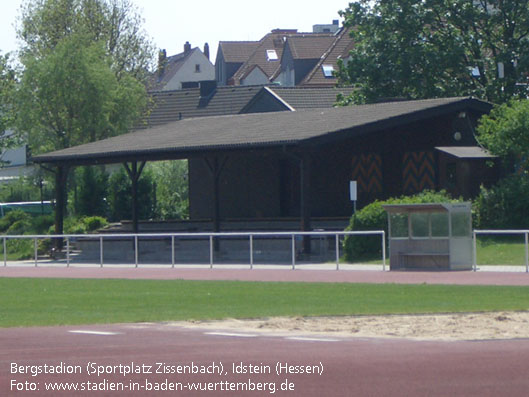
x: 206, y: 50
x: 187, y: 48
x: 162, y: 61
x: 335, y: 22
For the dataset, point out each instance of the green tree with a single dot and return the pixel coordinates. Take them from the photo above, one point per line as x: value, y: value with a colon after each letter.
x: 43, y: 24
x: 120, y: 200
x: 84, y: 62
x: 71, y: 96
x: 505, y: 132
x: 172, y: 198
x: 91, y: 191
x: 7, y: 86
x: 434, y: 48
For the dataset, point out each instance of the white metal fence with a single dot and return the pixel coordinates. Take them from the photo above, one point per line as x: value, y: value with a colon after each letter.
x: 501, y: 232
x: 251, y: 236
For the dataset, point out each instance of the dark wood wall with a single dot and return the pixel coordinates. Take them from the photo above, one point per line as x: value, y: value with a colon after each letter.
x: 388, y: 163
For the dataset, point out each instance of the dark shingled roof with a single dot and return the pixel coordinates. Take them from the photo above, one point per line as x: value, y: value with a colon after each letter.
x: 310, y: 98
x: 175, y: 105
x: 190, y: 137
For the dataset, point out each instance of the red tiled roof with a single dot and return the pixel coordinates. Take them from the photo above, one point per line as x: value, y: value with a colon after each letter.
x: 311, y: 46
x: 341, y: 47
x: 237, y: 51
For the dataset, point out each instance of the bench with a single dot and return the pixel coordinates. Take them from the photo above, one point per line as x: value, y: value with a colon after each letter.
x: 435, y: 259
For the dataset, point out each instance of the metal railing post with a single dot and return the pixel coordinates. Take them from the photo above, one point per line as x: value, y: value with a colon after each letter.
x: 136, y: 250
x: 5, y: 252
x: 67, y: 252
x: 337, y: 251
x: 172, y: 252
x: 474, y: 251
x: 383, y: 250
x: 36, y: 252
x: 251, y: 251
x: 526, y: 252
x: 293, y: 252
x: 211, y: 251
x: 101, y: 251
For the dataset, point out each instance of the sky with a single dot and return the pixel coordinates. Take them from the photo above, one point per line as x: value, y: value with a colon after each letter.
x: 170, y: 23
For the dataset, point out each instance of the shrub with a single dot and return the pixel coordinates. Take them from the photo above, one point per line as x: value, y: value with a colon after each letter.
x: 93, y: 223
x: 374, y: 217
x: 74, y: 226
x: 41, y: 224
x: 504, y: 205
x: 13, y: 217
x: 91, y: 191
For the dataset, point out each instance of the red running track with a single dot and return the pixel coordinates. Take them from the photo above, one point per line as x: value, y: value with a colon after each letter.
x: 347, y: 276
x: 351, y: 367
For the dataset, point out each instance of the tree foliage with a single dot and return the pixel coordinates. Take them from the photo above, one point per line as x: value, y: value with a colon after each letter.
x: 116, y: 24
x: 71, y: 96
x: 171, y: 189
x: 120, y: 199
x: 7, y: 85
x: 505, y: 132
x: 503, y: 206
x: 83, y: 64
x: 434, y: 48
x: 91, y: 191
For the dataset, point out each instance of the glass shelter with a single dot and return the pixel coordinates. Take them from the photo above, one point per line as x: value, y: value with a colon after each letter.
x: 430, y: 236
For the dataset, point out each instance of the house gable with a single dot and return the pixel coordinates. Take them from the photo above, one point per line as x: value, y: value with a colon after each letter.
x: 190, y: 66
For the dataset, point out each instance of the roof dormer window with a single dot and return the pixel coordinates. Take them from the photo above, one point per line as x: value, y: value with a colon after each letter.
x: 327, y: 70
x: 271, y: 55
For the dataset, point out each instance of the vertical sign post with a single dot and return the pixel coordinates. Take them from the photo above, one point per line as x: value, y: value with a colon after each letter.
x: 353, y: 193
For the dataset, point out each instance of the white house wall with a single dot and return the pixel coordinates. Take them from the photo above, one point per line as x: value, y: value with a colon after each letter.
x: 188, y: 73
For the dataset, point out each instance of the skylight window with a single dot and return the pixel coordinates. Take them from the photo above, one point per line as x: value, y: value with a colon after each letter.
x: 271, y: 55
x: 328, y: 70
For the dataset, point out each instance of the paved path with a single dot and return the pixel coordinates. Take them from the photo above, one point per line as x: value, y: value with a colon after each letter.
x: 351, y: 367
x: 226, y: 272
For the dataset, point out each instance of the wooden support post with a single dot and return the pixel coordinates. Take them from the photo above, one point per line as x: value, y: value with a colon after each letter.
x: 134, y: 173
x: 305, y: 201
x: 61, y: 176
x: 215, y: 167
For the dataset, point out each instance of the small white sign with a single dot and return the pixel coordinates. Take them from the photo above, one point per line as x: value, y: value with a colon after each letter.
x: 352, y: 190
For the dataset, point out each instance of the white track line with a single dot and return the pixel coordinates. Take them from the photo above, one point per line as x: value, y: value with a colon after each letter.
x: 231, y: 334
x: 307, y: 339
x: 88, y: 332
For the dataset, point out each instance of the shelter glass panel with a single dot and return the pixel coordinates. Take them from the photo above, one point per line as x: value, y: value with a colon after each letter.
x: 461, y: 224
x: 399, y: 225
x: 439, y: 222
x: 419, y: 225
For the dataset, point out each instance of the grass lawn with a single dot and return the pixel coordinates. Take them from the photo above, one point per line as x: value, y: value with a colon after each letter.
x: 32, y: 302
x: 501, y: 250
x: 491, y: 250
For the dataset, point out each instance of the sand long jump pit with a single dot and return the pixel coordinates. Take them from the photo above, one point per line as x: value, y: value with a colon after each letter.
x: 446, y: 327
